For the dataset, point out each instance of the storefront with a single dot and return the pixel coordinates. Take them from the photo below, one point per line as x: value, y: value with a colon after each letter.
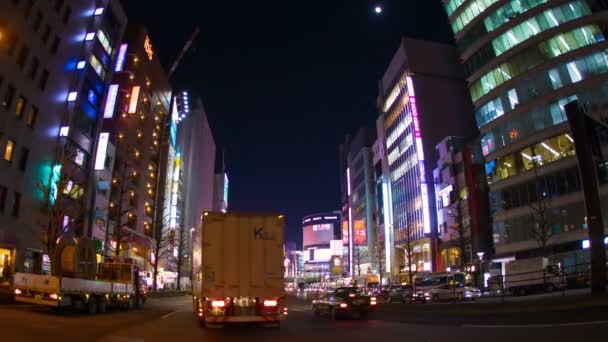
x: 7, y: 263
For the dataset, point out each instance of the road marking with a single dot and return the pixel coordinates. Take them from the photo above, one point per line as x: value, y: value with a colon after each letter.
x: 583, y: 323
x: 171, y: 314
x: 534, y: 325
x: 506, y: 326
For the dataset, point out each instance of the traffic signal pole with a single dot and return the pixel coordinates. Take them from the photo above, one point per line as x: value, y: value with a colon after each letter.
x: 587, y: 152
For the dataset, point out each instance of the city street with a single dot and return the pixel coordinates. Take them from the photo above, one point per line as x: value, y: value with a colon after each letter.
x: 171, y: 319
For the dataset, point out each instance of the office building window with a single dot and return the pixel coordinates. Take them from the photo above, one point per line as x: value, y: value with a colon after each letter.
x: 9, y: 95
x: 8, y: 150
x: 20, y: 106
x: 55, y: 45
x: 28, y: 8
x: 37, y: 21
x: 25, y: 153
x: 16, y: 204
x: 32, y: 116
x: 97, y: 66
x: 58, y: 5
x: 66, y: 15
x: 23, y: 53
x: 3, y: 193
x: 34, y: 68
x: 44, y: 77
x: 46, y: 34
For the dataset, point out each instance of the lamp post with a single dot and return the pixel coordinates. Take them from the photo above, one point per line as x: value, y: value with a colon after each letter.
x: 481, y: 277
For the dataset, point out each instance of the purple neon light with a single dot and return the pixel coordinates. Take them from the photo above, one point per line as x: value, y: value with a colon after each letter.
x: 120, y: 59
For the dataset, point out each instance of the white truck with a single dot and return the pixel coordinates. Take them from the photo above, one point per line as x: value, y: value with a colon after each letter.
x: 116, y: 284
x: 532, y: 275
x: 238, y: 269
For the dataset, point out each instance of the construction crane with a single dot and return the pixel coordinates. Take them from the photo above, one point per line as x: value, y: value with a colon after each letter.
x: 184, y: 51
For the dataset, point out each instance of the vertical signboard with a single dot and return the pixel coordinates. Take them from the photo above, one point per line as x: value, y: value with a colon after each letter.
x: 120, y: 59
x: 108, y: 112
x: 134, y: 100
x: 102, y: 148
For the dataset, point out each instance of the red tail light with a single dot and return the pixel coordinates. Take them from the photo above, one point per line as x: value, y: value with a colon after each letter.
x: 343, y: 305
x: 351, y: 295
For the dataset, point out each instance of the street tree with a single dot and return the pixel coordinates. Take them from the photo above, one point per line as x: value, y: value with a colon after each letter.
x: 462, y: 232
x: 359, y: 256
x: 62, y: 209
x: 378, y: 255
x: 408, y: 248
x: 541, y: 210
x: 182, y: 249
x: 162, y: 243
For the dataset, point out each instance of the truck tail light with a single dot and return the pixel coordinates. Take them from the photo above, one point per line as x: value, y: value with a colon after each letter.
x: 218, y: 304
x: 373, y: 299
x: 270, y: 303
x: 351, y: 295
x: 17, y: 292
x: 343, y: 305
x: 373, y: 302
x: 54, y: 296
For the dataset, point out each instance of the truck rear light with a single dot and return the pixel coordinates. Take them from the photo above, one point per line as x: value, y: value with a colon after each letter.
x: 373, y: 302
x: 270, y: 303
x: 54, y: 296
x: 343, y: 305
x: 351, y: 295
x: 218, y: 304
x: 17, y: 292
x: 373, y: 299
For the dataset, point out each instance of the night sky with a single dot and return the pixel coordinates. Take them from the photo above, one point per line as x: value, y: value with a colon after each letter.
x: 283, y: 82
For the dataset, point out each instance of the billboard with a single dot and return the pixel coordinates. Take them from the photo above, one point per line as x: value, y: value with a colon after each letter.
x: 360, y: 233
x: 317, y: 234
x: 336, y: 265
x: 336, y: 247
x: 345, y: 232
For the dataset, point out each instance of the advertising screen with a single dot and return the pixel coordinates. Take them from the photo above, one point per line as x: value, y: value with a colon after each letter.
x: 316, y: 234
x: 360, y: 233
x: 345, y: 232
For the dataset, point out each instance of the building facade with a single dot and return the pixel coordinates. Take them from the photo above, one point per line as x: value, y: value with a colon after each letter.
x: 136, y: 122
x: 56, y: 61
x: 322, y: 242
x: 524, y: 60
x: 462, y: 203
x: 361, y: 200
x: 422, y: 99
x: 197, y: 152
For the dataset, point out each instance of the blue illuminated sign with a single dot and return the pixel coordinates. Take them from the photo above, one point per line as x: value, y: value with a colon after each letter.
x: 120, y: 58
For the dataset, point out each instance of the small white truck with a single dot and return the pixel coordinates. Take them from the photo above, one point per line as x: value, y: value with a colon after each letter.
x: 238, y: 269
x: 117, y: 284
x: 532, y: 275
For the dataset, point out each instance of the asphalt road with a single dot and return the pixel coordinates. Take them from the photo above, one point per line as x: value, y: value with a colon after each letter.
x: 171, y: 319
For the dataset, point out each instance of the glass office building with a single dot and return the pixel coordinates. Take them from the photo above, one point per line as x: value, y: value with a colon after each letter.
x: 524, y: 60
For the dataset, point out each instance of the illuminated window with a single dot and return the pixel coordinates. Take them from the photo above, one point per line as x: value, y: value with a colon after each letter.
x: 98, y: 67
x: 20, y: 106
x: 8, y: 152
x: 105, y: 42
x: 32, y: 115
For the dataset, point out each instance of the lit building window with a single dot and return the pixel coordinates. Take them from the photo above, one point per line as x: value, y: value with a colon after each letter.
x: 105, y: 42
x: 8, y: 152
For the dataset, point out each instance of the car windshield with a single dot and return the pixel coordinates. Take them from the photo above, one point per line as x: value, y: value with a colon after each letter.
x: 345, y: 291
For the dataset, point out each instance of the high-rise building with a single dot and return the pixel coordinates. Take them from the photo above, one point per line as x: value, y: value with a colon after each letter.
x: 384, y: 217
x: 524, y: 60
x: 56, y: 60
x: 137, y: 123
x: 462, y: 203
x: 361, y: 199
x: 423, y: 98
x: 195, y: 146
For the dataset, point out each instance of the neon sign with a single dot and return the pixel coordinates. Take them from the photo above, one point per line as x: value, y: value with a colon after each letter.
x: 108, y: 112
x: 120, y: 59
x: 148, y: 48
x: 102, y: 148
x: 134, y: 99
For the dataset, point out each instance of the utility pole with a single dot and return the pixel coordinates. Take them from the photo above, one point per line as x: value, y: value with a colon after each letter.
x: 586, y: 144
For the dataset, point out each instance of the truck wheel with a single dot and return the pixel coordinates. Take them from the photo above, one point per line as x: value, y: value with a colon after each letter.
x: 139, y: 303
x: 102, y: 306
x: 130, y: 303
x: 92, y: 306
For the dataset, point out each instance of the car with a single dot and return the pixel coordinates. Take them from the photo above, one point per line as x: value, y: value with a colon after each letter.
x: 344, y: 302
x: 449, y: 292
x: 401, y: 294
